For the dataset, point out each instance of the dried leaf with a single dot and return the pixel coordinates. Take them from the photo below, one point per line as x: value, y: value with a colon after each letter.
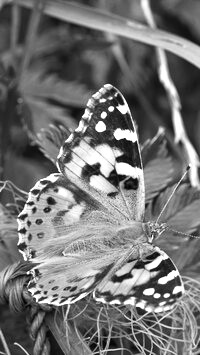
x: 51, y: 139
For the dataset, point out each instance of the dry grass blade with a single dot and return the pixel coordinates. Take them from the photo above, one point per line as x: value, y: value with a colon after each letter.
x: 21, y: 347
x: 31, y: 36
x: 103, y: 21
x: 174, y: 100
x: 5, y: 346
x: 148, y: 333
x: 67, y: 336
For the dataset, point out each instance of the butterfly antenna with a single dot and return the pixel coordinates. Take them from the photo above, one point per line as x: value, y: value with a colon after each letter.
x: 173, y: 192
x: 184, y: 234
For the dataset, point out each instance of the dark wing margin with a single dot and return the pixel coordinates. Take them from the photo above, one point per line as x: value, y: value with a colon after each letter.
x: 152, y: 284
x: 103, y: 153
x: 53, y: 204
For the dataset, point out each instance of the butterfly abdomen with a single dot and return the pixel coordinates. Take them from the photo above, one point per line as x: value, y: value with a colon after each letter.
x: 103, y: 237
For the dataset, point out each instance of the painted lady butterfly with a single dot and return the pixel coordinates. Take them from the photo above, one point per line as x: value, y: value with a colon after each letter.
x: 83, y: 228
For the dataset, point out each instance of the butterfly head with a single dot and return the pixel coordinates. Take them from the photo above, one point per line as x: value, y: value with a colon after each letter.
x: 154, y: 230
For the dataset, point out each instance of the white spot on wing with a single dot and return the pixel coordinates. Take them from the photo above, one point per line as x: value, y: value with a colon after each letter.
x: 86, y: 117
x: 52, y: 178
x: 166, y: 295
x: 99, y: 299
x: 125, y: 269
x: 110, y: 287
x: 149, y: 291
x: 100, y: 127
x: 125, y: 134
x: 167, y: 307
x: 141, y: 304
x: 163, y: 280
x: 128, y: 170
x: 162, y: 303
x: 103, y: 115
x: 82, y: 126
x: 85, y: 154
x: 156, y: 295
x: 96, y: 95
x: 102, y: 100
x: 131, y: 301
x: 140, y: 277
x: 74, y: 213
x: 123, y: 108
x: 115, y: 302
x: 111, y: 108
x: 155, y: 263
x: 161, y: 252
x: 99, y: 182
x: 158, y: 309
x: 60, y: 153
x: 65, y: 194
x: 178, y: 289
x: 148, y: 308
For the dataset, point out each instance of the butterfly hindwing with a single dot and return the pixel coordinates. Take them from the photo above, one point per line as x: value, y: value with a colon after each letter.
x: 64, y: 280
x: 152, y: 283
x: 63, y: 230
x: 53, y: 204
x: 103, y: 152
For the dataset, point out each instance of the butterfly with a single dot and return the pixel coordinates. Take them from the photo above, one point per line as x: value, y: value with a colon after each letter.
x: 83, y: 229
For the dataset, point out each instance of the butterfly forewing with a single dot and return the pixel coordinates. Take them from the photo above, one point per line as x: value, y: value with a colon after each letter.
x: 104, y: 153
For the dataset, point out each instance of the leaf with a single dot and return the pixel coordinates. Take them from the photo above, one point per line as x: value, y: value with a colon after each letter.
x: 43, y: 114
x: 38, y: 85
x: 118, y: 25
x: 8, y: 223
x: 51, y: 139
x: 182, y: 216
x: 187, y: 12
x: 18, y: 196
x: 45, y: 98
x: 186, y: 218
x: 158, y: 172
x: 8, y: 238
x: 182, y: 211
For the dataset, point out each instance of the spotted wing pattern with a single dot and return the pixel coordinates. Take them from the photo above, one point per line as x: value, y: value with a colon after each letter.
x: 103, y: 153
x: 53, y: 228
x: 53, y: 204
x: 152, y: 284
x: 82, y: 229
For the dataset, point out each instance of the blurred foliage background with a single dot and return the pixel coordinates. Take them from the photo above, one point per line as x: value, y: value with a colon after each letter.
x: 48, y: 70
x: 67, y: 63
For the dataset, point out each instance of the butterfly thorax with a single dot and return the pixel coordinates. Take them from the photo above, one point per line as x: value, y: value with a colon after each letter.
x: 103, y: 237
x: 153, y: 230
